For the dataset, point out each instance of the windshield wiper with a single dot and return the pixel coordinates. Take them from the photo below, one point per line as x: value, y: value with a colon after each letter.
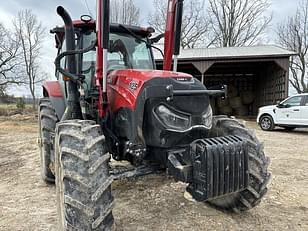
x: 140, y: 39
x: 133, y: 34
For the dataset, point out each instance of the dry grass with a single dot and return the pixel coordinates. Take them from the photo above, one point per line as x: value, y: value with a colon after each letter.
x: 11, y: 109
x: 153, y: 202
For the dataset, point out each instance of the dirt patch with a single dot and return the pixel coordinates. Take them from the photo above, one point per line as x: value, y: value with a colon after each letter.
x: 154, y: 202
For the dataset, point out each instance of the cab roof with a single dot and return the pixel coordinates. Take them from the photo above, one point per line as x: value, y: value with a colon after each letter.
x: 114, y: 27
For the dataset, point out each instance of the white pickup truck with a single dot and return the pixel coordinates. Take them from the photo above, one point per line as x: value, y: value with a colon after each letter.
x: 290, y: 114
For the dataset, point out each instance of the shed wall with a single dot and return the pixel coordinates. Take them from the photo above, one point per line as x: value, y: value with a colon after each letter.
x: 266, y: 79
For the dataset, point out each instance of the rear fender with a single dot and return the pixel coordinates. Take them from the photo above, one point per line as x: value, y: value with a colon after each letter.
x: 52, y: 89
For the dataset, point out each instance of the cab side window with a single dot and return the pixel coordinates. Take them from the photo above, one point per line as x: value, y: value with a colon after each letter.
x: 306, y: 101
x: 292, y: 102
x: 63, y: 60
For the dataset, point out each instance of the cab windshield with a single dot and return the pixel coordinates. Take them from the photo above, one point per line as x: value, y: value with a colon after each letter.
x: 125, y: 52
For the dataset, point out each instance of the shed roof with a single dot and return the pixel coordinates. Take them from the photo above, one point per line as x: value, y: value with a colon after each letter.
x: 231, y: 52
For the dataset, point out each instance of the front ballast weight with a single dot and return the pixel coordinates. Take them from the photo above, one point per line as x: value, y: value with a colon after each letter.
x: 213, y: 167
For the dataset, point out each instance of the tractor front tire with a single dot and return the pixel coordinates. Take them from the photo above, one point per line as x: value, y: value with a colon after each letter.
x: 83, y: 183
x: 47, y: 120
x: 258, y: 164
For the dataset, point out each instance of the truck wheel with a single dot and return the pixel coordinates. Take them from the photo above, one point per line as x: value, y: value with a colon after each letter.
x: 258, y: 164
x: 267, y: 123
x: 83, y: 183
x: 47, y: 120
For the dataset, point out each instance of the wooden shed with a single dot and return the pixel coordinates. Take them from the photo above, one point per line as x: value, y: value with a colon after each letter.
x: 255, y: 75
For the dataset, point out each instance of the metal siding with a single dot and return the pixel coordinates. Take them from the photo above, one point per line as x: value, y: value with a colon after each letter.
x: 230, y: 52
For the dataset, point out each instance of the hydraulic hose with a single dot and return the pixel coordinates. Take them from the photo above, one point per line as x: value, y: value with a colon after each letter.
x: 68, y: 53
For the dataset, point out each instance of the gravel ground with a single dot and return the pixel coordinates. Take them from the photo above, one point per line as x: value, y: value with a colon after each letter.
x: 153, y: 202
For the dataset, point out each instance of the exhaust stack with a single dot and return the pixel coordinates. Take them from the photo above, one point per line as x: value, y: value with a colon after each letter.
x: 73, y: 110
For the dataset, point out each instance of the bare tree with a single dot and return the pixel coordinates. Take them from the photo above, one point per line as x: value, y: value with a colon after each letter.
x: 2, y: 91
x: 238, y: 22
x: 31, y: 34
x: 124, y: 12
x: 293, y: 35
x: 195, y: 26
x: 9, y: 58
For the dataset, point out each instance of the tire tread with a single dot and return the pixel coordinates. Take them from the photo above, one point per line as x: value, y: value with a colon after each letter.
x: 47, y: 124
x: 83, y: 177
x: 258, y: 164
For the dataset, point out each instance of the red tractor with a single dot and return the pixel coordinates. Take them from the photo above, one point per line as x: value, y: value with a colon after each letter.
x: 109, y: 101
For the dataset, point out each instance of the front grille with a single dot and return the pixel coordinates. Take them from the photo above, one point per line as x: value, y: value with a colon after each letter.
x: 220, y: 166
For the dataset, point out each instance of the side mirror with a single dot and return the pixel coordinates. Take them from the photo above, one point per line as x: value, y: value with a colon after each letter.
x: 279, y: 105
x: 287, y: 106
x: 284, y: 105
x: 157, y: 38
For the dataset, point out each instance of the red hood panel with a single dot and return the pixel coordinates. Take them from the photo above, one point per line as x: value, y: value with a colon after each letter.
x: 145, y: 74
x: 124, y: 86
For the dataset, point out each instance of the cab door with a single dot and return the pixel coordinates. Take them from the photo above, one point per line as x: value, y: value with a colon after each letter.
x: 289, y: 111
x: 304, y: 111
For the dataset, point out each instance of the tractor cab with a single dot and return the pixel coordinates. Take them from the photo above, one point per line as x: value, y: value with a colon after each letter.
x: 129, y: 47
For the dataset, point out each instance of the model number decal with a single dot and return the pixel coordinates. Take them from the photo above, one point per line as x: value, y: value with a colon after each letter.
x: 183, y: 79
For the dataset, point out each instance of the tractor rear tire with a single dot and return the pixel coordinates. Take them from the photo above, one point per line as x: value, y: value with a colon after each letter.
x: 258, y: 164
x: 47, y: 120
x: 83, y: 183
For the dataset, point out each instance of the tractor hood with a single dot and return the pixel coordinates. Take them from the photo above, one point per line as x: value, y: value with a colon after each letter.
x: 129, y: 83
x: 147, y: 107
x: 145, y: 75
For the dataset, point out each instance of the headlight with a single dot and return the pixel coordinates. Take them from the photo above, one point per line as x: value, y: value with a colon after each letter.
x: 172, y: 119
x: 207, y: 118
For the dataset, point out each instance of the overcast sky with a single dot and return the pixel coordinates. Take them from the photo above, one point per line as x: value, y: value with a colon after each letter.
x: 46, y: 12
